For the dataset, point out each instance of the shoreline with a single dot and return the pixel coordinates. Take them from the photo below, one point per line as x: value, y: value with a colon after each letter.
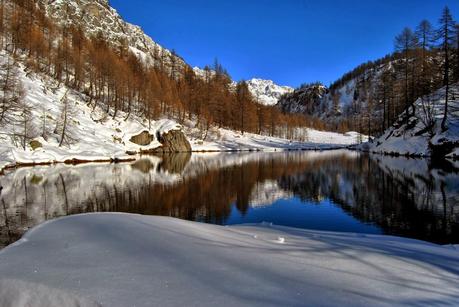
x: 135, y: 157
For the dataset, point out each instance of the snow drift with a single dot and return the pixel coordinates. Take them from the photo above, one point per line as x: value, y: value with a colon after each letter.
x: 127, y: 260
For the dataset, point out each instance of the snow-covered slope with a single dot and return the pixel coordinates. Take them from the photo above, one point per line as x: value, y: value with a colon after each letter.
x: 133, y: 260
x: 422, y: 135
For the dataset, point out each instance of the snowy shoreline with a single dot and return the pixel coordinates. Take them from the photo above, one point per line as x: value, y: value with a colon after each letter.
x: 136, y: 157
x: 125, y: 259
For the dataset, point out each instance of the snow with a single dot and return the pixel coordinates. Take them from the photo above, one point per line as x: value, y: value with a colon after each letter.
x: 97, y: 136
x: 266, y: 92
x: 20, y: 293
x: 221, y: 139
x: 414, y: 140
x: 132, y: 260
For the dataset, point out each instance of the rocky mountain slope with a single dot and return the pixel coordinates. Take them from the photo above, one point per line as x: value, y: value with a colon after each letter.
x: 340, y: 100
x: 308, y: 99
x: 98, y: 17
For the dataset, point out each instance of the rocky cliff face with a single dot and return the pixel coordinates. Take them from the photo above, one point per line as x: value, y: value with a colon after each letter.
x: 96, y: 16
x: 306, y: 100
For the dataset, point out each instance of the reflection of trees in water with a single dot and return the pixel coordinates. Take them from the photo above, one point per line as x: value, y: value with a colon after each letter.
x: 416, y: 205
x: 373, y: 191
x: 208, y: 197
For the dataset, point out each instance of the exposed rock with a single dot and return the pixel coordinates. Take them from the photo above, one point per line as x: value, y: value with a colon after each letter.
x: 142, y: 139
x: 173, y: 141
x: 35, y: 144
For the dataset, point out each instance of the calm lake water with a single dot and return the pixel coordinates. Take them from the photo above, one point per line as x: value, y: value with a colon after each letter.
x: 333, y: 190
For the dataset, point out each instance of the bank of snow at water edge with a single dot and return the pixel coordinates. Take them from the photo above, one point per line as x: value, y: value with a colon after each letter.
x: 412, y: 137
x: 133, y: 260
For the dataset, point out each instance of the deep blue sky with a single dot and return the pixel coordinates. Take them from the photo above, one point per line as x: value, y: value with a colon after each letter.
x: 288, y: 41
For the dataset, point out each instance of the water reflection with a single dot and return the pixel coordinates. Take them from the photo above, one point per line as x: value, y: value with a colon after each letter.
x: 339, y: 190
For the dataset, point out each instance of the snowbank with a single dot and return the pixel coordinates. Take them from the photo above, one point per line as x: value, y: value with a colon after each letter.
x: 131, y: 260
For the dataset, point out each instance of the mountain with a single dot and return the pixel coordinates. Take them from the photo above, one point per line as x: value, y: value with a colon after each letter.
x: 266, y: 92
x: 308, y: 99
x: 340, y: 100
x: 97, y: 17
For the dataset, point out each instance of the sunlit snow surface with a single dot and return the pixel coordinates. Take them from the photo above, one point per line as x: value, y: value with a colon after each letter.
x: 132, y: 260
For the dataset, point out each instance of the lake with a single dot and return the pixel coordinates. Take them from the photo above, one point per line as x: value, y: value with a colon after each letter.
x: 331, y: 190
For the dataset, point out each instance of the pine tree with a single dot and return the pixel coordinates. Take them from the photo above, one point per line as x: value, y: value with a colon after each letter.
x: 405, y: 43
x: 426, y: 37
x: 11, y: 90
x: 446, y: 35
x: 65, y: 124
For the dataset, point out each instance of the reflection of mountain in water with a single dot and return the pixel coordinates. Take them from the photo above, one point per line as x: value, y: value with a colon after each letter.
x: 266, y: 193
x: 412, y: 200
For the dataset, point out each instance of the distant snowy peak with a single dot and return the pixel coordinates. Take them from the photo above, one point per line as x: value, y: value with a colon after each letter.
x: 266, y: 92
x: 96, y: 16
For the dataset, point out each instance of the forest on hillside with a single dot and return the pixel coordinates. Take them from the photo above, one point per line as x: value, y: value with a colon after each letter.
x: 115, y: 79
x: 424, y: 60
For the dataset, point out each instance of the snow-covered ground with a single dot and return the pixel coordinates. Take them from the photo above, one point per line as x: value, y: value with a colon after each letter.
x: 413, y: 138
x: 99, y: 137
x: 132, y: 260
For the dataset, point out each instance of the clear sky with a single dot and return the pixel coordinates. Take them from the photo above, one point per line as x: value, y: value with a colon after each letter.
x: 288, y: 41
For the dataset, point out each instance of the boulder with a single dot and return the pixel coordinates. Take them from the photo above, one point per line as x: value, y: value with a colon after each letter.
x: 35, y: 144
x: 173, y: 141
x: 142, y: 139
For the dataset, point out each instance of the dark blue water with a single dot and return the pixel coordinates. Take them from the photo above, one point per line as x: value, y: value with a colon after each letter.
x: 340, y: 191
x: 294, y: 212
